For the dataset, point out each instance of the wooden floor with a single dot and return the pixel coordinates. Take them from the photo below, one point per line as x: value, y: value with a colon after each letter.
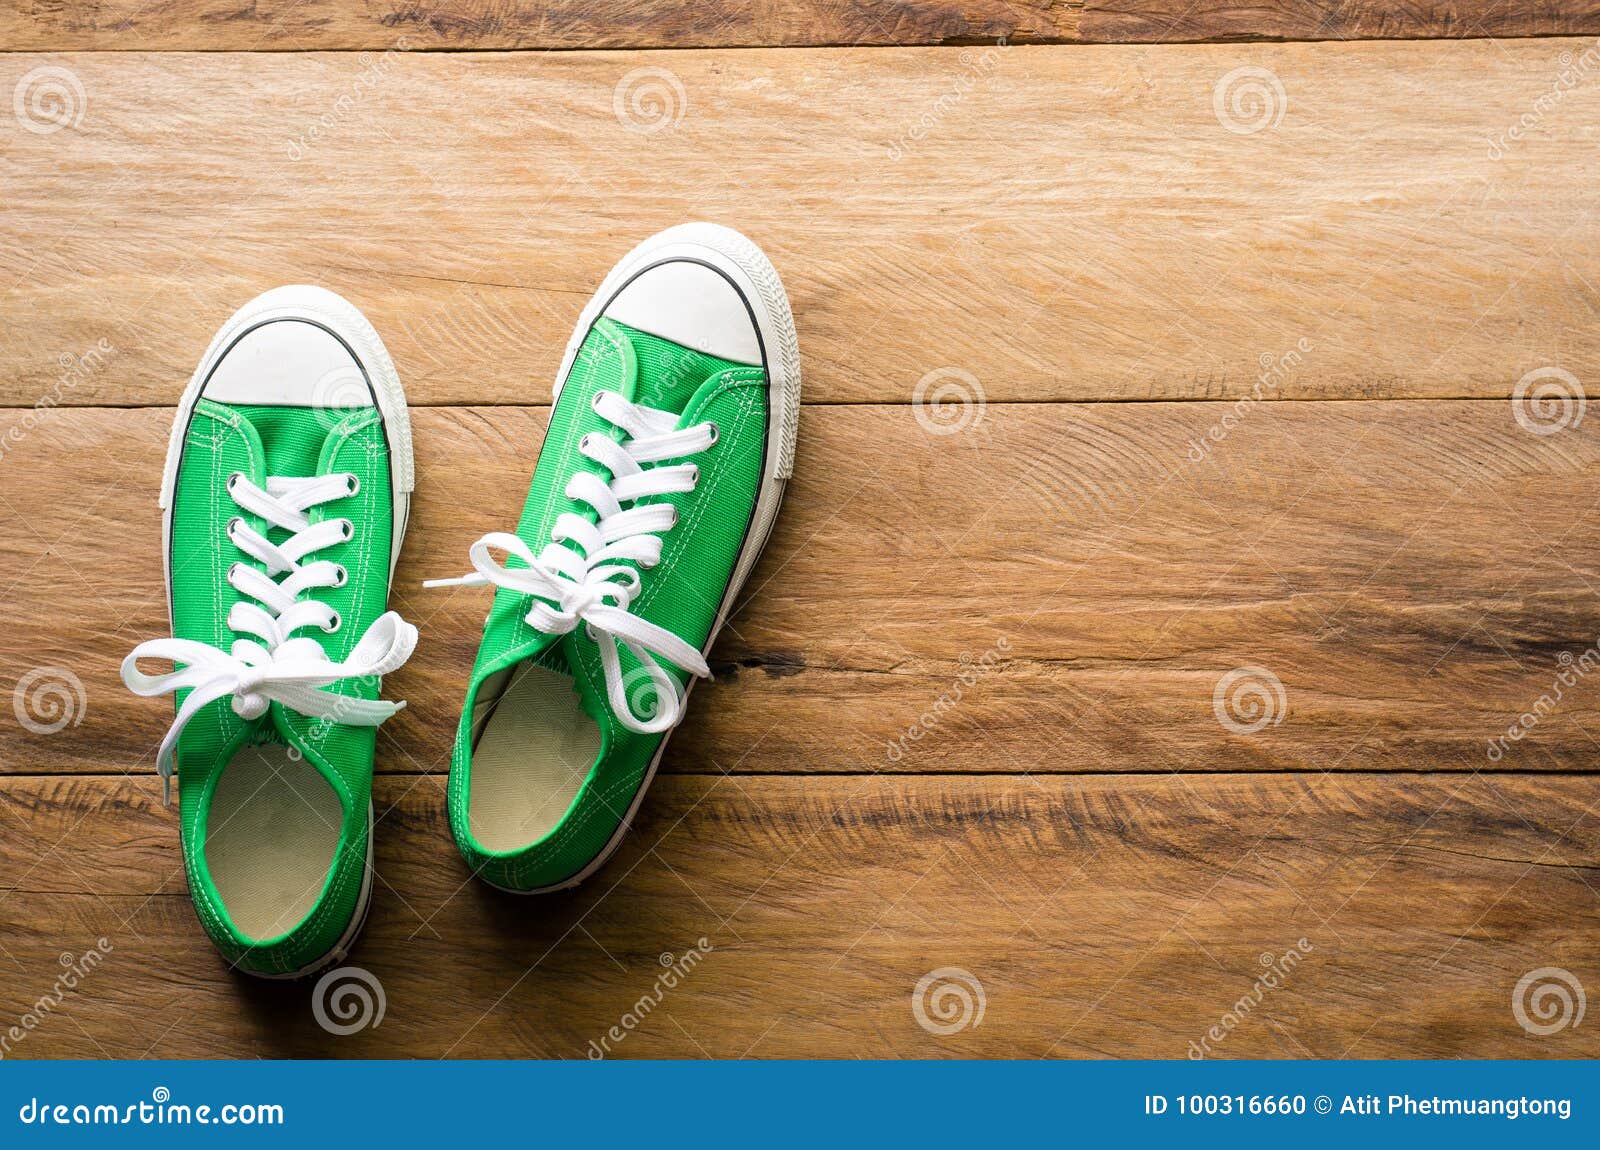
x: 1194, y: 484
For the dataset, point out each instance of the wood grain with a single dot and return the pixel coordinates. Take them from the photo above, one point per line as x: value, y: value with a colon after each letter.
x: 1060, y: 224
x: 279, y: 25
x: 1056, y: 588
x: 1102, y: 917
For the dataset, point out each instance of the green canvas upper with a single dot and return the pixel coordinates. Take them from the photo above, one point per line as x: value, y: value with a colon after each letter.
x: 281, y: 441
x: 682, y: 593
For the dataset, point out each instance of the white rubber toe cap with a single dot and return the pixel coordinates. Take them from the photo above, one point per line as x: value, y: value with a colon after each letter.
x: 690, y: 304
x: 289, y: 363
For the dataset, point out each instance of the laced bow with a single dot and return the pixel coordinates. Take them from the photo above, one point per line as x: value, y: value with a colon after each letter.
x: 590, y: 582
x: 277, y: 666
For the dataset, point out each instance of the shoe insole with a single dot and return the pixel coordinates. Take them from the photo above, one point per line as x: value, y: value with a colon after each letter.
x: 271, y: 838
x: 534, y: 751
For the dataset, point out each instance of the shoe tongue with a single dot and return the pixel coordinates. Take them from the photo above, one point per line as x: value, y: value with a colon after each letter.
x: 669, y: 376
x: 293, y: 439
x: 296, y: 442
x: 606, y: 361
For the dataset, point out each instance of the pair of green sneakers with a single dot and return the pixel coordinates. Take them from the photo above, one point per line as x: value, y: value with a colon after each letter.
x: 285, y: 499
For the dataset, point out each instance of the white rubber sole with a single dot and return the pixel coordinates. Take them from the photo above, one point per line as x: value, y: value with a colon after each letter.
x: 749, y: 268
x: 341, y: 318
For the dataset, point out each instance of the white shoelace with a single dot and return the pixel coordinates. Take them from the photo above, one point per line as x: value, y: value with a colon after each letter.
x: 280, y: 667
x: 593, y: 587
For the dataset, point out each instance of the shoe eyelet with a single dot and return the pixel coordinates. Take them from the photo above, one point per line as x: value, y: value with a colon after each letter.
x: 716, y: 432
x: 674, y: 517
x: 594, y: 400
x: 352, y: 484
x: 694, y: 479
x: 233, y: 480
x: 337, y: 622
x: 347, y: 529
x: 583, y: 444
x: 342, y: 577
x: 232, y: 523
x: 232, y: 567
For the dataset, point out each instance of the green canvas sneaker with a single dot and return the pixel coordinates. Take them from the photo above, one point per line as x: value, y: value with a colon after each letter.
x: 660, y: 476
x: 287, y: 484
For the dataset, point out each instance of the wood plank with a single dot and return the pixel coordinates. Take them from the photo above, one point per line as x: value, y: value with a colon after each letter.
x: 1071, y: 223
x: 278, y: 25
x: 1101, y: 917
x: 1166, y: 21
x: 1413, y: 574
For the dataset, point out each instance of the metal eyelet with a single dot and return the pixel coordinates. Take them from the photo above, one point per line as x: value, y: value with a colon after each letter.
x: 674, y: 517
x: 343, y: 576
x: 232, y: 567
x: 347, y: 529
x: 583, y: 444
x: 594, y: 400
x: 716, y: 432
x: 352, y: 484
x: 338, y: 621
x: 233, y: 480
x: 232, y: 523
x: 694, y: 480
